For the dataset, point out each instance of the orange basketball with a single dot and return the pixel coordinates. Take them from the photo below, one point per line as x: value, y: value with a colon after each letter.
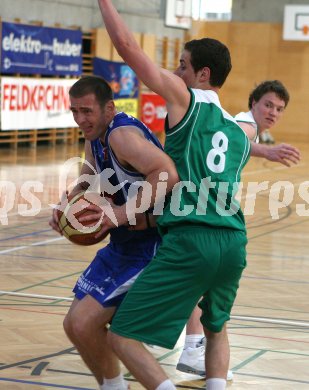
x: 81, y: 233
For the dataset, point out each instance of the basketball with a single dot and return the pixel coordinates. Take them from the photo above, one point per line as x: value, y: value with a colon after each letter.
x: 81, y: 233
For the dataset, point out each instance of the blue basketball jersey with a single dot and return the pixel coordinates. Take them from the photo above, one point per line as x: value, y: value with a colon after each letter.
x: 105, y: 158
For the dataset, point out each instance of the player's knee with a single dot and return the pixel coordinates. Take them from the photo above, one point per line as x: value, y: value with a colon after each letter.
x: 67, y: 324
x: 75, y: 327
x: 72, y: 327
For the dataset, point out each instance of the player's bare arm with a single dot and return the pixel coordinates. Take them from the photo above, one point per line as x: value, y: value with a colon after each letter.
x: 283, y: 153
x: 133, y: 149
x: 159, y: 80
x: 249, y: 129
x: 136, y: 153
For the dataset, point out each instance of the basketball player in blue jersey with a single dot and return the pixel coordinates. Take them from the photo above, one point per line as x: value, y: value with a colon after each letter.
x: 122, y: 143
x: 203, y: 251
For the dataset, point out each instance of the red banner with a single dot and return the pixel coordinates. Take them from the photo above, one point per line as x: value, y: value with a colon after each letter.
x: 153, y: 111
x: 35, y: 103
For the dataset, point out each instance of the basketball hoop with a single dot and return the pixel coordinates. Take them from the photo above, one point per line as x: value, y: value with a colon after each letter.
x: 296, y: 23
x: 178, y: 13
x: 305, y: 30
x: 182, y: 20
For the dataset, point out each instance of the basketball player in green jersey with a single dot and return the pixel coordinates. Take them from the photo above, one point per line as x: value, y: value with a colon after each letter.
x: 204, y: 237
x: 267, y: 102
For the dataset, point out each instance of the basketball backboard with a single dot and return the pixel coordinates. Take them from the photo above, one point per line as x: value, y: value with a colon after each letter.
x: 296, y: 23
x: 178, y: 13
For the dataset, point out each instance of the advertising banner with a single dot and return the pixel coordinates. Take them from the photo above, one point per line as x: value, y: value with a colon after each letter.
x: 31, y: 103
x: 119, y: 75
x: 153, y: 111
x: 129, y: 106
x: 27, y: 49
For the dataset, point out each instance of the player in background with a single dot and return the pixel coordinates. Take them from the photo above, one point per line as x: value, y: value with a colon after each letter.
x: 267, y: 103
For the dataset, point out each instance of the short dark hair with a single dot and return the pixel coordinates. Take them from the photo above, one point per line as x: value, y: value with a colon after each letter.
x: 269, y: 86
x: 92, y: 84
x: 213, y: 54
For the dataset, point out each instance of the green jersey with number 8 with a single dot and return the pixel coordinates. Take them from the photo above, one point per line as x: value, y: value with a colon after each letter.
x: 210, y: 151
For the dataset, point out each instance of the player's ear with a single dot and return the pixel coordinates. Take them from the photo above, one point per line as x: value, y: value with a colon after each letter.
x: 110, y: 106
x: 205, y: 74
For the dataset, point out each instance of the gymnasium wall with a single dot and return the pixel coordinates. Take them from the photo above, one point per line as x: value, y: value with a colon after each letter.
x: 262, y: 10
x: 259, y: 53
x: 140, y: 15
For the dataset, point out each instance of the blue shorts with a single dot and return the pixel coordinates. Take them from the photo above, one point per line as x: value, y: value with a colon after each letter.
x: 114, y: 269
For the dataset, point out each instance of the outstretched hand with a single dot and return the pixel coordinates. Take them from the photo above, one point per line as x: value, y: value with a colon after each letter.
x: 283, y: 153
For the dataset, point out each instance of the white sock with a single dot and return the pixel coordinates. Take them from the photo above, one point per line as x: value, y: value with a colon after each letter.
x: 215, y: 384
x: 166, y: 385
x: 117, y: 383
x: 192, y: 339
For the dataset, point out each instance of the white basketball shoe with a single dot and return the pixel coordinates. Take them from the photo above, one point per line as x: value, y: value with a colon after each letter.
x: 192, y: 360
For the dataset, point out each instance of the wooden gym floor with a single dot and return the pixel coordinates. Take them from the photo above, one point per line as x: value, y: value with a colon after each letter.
x: 269, y: 331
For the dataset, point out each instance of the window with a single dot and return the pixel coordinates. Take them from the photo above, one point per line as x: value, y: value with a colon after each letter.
x: 212, y: 9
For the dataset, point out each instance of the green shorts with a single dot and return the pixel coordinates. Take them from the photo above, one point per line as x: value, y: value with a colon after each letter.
x: 192, y: 262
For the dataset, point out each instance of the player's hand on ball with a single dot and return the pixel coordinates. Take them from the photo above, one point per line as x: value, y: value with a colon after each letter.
x: 79, y: 218
x: 94, y: 215
x: 54, y: 220
x: 108, y: 213
x: 103, y: 213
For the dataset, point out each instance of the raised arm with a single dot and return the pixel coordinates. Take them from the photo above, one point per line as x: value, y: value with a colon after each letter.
x: 161, y: 81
